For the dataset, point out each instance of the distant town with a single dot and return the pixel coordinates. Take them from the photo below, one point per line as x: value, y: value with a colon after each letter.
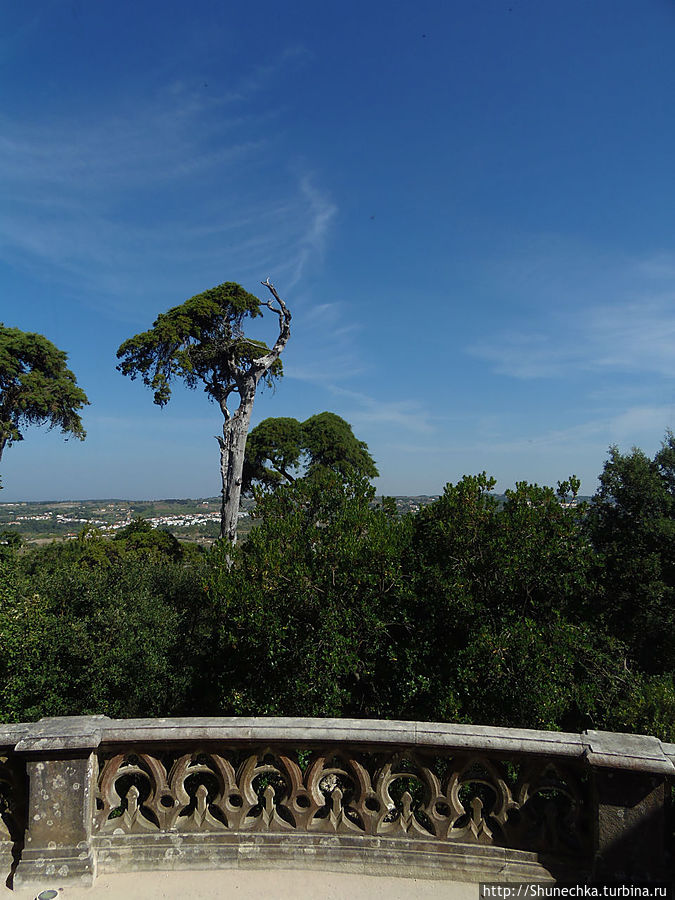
x: 189, y: 520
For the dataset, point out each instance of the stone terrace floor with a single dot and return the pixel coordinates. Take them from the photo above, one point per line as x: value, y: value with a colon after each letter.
x: 269, y: 884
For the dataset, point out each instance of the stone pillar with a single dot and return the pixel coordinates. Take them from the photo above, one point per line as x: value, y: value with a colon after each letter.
x: 630, y: 826
x: 629, y: 795
x: 61, y: 767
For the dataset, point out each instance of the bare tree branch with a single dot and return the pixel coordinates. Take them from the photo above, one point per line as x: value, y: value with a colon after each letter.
x: 264, y: 362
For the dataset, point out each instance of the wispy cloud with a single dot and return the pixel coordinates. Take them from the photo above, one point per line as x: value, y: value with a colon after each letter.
x: 321, y: 211
x: 545, y: 454
x: 327, y: 334
x: 523, y: 355
x: 635, y: 335
x: 658, y: 266
x: 129, y: 199
x: 583, y: 331
x: 366, y: 410
x: 634, y: 424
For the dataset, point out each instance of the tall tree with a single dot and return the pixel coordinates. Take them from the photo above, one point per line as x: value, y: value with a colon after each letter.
x: 203, y: 341
x: 312, y: 620
x: 278, y: 450
x: 36, y: 388
x: 632, y: 525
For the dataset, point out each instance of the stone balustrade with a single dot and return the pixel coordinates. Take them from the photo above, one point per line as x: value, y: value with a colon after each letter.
x: 81, y: 795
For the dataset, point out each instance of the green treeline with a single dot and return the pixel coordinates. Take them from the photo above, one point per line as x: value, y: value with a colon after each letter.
x: 533, y: 613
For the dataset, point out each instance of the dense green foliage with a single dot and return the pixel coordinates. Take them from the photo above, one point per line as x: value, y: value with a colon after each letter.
x: 316, y: 602
x: 95, y: 634
x: 534, y: 612
x: 36, y: 388
x: 200, y: 341
x: 632, y: 523
x: 279, y: 450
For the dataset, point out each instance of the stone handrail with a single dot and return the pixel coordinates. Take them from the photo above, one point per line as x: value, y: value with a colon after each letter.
x: 85, y: 794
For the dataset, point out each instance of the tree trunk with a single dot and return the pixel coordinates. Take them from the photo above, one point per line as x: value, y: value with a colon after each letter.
x: 235, y: 430
x: 232, y: 448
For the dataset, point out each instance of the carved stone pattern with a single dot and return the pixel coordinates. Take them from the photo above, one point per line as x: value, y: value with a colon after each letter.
x: 538, y: 806
x: 12, y: 800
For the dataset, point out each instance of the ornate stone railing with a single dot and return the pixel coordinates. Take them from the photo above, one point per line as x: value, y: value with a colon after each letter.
x: 86, y: 794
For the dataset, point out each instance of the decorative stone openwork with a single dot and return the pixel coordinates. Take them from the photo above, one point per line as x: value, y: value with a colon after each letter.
x: 472, y: 799
x: 450, y: 801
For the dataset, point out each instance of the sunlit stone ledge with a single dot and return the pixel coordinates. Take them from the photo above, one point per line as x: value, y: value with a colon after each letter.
x: 85, y: 794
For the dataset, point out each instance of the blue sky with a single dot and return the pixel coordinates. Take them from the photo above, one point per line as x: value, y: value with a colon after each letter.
x: 468, y: 206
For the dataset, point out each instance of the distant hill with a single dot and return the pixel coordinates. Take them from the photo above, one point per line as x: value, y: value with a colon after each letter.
x: 187, y: 519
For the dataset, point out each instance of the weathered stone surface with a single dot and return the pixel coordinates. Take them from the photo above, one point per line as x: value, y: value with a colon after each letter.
x: 669, y: 750
x: 89, y: 731
x: 60, y: 813
x: 630, y: 825
x: 62, y: 733
x: 637, y: 752
x: 356, y: 732
x: 10, y: 734
x: 439, y: 800
x: 499, y: 740
x: 400, y: 857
